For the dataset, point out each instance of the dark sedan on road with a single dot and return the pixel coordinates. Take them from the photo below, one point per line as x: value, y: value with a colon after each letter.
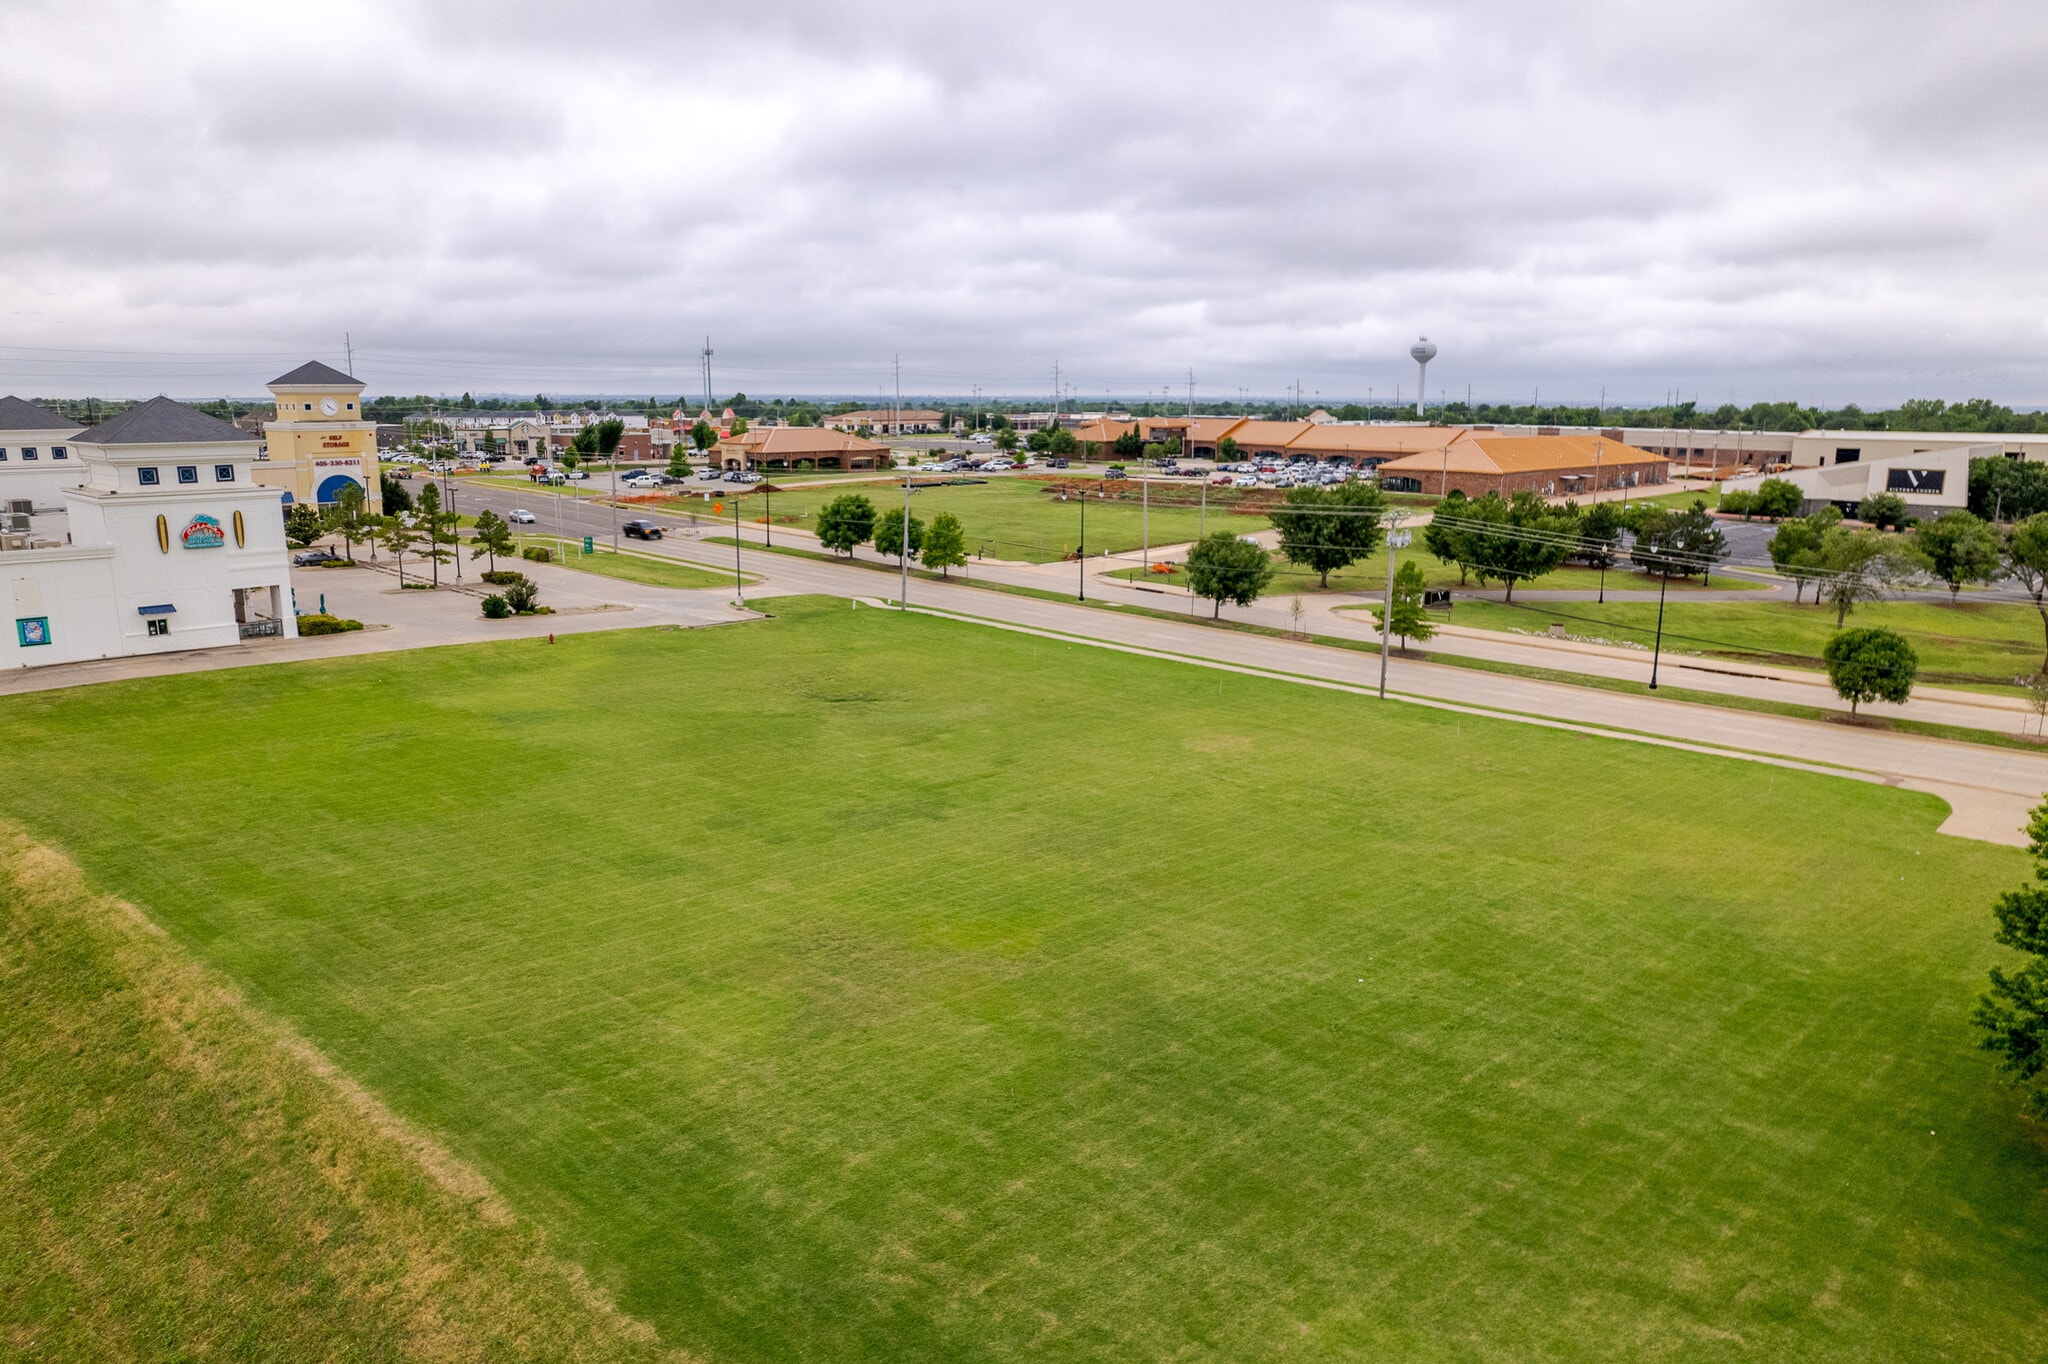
x: 641, y: 530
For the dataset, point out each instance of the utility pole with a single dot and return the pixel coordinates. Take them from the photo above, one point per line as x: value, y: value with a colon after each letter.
x: 707, y: 374
x: 348, y: 347
x: 896, y: 412
x: 1081, y: 553
x: 739, y: 589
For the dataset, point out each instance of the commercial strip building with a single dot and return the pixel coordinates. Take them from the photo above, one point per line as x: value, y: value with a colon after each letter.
x: 889, y: 421
x: 1481, y: 462
x: 787, y: 447
x: 166, y: 542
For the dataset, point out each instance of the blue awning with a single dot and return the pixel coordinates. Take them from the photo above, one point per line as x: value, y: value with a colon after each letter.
x: 156, y: 610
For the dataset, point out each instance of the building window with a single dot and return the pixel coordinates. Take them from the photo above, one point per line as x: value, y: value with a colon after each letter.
x: 146, y: 476
x: 28, y: 452
x: 1848, y: 456
x: 223, y: 473
x: 188, y: 473
x: 59, y: 452
x: 159, y: 625
x: 351, y: 407
x: 309, y: 407
x: 3, y: 452
x: 32, y: 630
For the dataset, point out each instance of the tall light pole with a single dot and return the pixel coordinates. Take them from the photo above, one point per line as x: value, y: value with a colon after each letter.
x: 903, y: 549
x: 1422, y: 352
x: 1396, y: 538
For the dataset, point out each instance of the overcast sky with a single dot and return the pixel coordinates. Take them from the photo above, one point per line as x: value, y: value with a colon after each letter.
x: 1827, y: 201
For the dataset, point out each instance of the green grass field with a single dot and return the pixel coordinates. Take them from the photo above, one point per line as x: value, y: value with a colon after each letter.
x: 1016, y: 519
x: 1972, y: 644
x: 626, y: 565
x: 811, y: 982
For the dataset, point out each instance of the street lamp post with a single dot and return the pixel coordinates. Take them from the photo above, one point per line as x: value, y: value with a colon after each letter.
x: 1396, y: 538
x: 739, y: 589
x: 1658, y: 653
x: 1081, y: 552
x: 903, y: 550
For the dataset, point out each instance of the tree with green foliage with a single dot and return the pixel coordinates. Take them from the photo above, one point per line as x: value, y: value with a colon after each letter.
x: 1444, y: 536
x: 1410, y: 621
x: 1006, y: 439
x: 1795, y: 547
x: 398, y: 538
x: 303, y: 524
x: 437, y: 529
x: 1130, y: 445
x: 1226, y: 450
x: 2013, y: 1016
x: 1870, y: 664
x: 2006, y: 490
x: 1777, y: 498
x: 703, y: 435
x: 1738, y: 502
x: 1886, y: 511
x: 1598, y: 529
x: 678, y: 461
x: 491, y: 538
x: 1679, y: 544
x: 1855, y: 566
x: 1325, y: 529
x: 396, y: 498
x: 1510, y: 540
x: 345, y: 517
x: 945, y: 543
x: 739, y: 426
x: 889, y: 534
x: 1225, y: 567
x: 1961, y: 548
x: 2026, y: 563
x: 844, y: 522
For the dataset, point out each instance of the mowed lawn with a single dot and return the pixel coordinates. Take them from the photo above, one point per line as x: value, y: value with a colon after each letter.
x: 860, y: 986
x: 1016, y: 518
x: 1973, y: 643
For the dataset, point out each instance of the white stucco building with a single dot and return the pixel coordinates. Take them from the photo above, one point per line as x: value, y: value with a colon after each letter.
x: 165, y: 543
x: 1930, y: 481
x: 37, y: 458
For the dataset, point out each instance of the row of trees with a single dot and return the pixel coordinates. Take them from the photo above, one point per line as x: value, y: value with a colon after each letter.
x: 421, y: 528
x: 1512, y: 539
x: 850, y: 520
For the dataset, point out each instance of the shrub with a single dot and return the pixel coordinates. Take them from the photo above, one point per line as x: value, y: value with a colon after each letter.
x: 496, y: 607
x: 1777, y: 498
x: 520, y: 596
x: 539, y: 554
x: 317, y: 623
x: 1886, y: 511
x: 1736, y: 502
x: 500, y: 577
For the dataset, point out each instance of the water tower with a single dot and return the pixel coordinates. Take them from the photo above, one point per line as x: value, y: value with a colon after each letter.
x: 1423, y: 351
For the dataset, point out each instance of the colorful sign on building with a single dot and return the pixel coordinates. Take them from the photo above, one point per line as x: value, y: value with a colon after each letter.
x: 202, y: 532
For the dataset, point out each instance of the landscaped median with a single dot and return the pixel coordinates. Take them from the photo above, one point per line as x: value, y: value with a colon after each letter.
x: 651, y: 569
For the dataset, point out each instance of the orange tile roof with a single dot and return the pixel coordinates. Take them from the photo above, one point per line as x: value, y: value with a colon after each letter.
x: 1374, y: 440
x: 1486, y: 452
x: 1265, y: 434
x: 802, y: 440
x: 1102, y: 430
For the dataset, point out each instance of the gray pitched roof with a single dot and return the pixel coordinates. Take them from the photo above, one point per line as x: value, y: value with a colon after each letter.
x: 16, y: 415
x: 313, y: 372
x: 161, y: 421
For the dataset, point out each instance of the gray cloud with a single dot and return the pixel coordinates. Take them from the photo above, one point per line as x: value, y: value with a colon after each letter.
x: 1757, y: 200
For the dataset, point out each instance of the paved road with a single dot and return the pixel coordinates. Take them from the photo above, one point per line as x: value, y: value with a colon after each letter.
x: 1989, y: 789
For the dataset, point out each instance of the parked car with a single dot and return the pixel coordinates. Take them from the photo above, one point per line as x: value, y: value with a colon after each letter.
x: 997, y: 466
x: 641, y: 530
x: 643, y: 481
x: 1244, y: 481
x: 313, y: 558
x: 708, y: 475
x: 982, y: 438
x: 1057, y: 462
x: 579, y: 473
x: 520, y: 516
x: 748, y: 476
